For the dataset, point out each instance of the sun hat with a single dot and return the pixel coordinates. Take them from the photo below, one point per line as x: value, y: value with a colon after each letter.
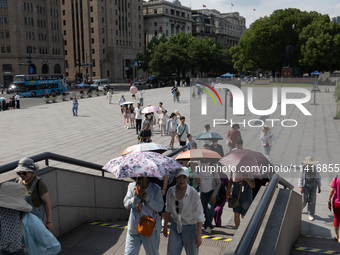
x: 309, y: 161
x: 265, y: 127
x: 27, y: 165
x: 12, y: 196
x: 182, y: 171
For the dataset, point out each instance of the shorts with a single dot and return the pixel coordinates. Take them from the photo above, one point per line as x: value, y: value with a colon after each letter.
x: 172, y: 133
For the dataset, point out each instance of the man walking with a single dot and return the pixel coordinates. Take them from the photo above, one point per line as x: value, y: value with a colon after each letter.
x: 138, y: 118
x: 17, y: 101
x: 182, y: 132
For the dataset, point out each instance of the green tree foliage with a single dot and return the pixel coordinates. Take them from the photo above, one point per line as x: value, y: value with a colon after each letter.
x: 182, y: 53
x: 263, y: 45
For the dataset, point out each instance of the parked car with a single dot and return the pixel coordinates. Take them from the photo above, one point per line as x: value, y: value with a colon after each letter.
x: 100, y: 82
x: 82, y: 85
x: 139, y: 83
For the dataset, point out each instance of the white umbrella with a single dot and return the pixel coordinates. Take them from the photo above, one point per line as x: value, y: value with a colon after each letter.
x: 125, y: 103
x: 150, y: 109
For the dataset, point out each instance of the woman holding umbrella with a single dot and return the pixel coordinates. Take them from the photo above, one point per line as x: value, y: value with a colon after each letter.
x: 143, y: 198
x: 242, y: 191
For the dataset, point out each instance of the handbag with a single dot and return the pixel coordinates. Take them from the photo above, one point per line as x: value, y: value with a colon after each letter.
x: 185, y: 127
x: 235, y: 202
x: 146, y: 223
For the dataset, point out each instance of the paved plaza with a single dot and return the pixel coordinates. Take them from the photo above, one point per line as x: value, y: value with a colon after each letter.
x: 97, y: 135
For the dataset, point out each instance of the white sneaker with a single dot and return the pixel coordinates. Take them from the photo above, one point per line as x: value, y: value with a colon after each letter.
x: 208, y: 230
x: 311, y: 217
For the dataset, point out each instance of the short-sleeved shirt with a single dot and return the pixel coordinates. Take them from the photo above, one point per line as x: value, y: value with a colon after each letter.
x: 183, y: 130
x: 335, y: 186
x: 36, y: 198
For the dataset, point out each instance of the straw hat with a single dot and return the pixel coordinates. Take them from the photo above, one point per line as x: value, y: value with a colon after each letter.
x: 309, y: 161
x: 12, y: 196
x: 26, y: 165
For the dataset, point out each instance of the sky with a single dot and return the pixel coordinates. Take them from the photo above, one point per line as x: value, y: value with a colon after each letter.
x: 264, y: 7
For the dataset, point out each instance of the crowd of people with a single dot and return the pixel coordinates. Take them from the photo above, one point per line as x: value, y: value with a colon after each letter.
x: 12, y: 103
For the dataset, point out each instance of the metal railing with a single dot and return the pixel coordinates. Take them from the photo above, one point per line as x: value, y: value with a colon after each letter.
x: 52, y: 156
x: 247, y: 241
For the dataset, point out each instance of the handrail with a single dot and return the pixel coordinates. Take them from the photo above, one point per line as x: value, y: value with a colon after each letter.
x: 52, y: 156
x: 247, y: 241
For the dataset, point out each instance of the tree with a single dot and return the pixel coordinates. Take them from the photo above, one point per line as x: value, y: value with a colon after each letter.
x: 263, y: 45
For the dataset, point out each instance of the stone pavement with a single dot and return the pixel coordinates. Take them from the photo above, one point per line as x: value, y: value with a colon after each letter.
x: 97, y: 135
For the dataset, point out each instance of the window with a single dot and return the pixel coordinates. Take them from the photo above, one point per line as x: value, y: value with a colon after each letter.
x: 4, y: 3
x: 1, y: 19
x: 8, y: 49
x: 7, y: 67
x: 63, y: 2
x: 65, y: 42
x: 155, y: 24
x: 103, y: 51
x: 65, y: 52
x: 92, y: 30
x: 103, y: 41
x: 94, y: 74
x: 6, y: 19
x: 64, y: 22
x: 92, y: 20
x: 155, y: 11
x: 64, y: 12
x: 93, y: 51
x: 92, y: 40
x: 155, y: 32
x: 2, y: 48
x: 103, y: 20
x: 2, y: 34
x: 64, y: 32
x: 7, y: 34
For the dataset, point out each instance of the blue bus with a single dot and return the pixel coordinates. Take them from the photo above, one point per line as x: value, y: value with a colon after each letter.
x: 38, y: 85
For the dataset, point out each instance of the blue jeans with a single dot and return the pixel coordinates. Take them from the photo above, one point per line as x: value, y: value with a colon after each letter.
x: 266, y: 150
x: 309, y: 196
x: 186, y: 239
x: 141, y: 101
x: 133, y: 243
x: 75, y: 110
x: 208, y: 208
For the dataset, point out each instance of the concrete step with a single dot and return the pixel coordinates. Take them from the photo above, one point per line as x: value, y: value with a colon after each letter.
x: 312, y: 245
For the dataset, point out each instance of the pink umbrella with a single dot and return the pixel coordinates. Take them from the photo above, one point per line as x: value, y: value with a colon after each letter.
x: 150, y: 109
x: 247, y: 162
x: 133, y: 89
x: 145, y: 147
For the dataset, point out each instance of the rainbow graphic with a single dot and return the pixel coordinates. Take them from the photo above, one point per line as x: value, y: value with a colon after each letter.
x: 202, y: 85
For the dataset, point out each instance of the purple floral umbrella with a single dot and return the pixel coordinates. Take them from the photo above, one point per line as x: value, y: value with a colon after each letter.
x: 144, y: 163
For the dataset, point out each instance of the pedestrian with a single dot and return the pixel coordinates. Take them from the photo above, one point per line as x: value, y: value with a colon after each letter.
x: 37, y: 194
x: 266, y: 138
x: 120, y: 102
x: 109, y: 96
x: 18, y: 227
x: 174, y: 92
x: 171, y: 129
x: 230, y: 99
x: 217, y: 147
x: 178, y: 116
x: 162, y: 121
x: 241, y: 191
x: 75, y: 106
x: 209, y: 183
x: 132, y: 116
x: 144, y: 199
x: 160, y: 111
x: 190, y: 141
x: 239, y: 145
x: 185, y: 210
x: 193, y: 92
x: 233, y: 135
x: 177, y: 95
x: 138, y: 118
x: 206, y: 130
x: 309, y: 182
x: 126, y: 116
x: 141, y: 97
x: 221, y: 199
x: 334, y: 200
x: 145, y: 134
x: 182, y: 131
x: 17, y: 101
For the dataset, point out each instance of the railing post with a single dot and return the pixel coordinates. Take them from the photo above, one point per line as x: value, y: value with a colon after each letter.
x: 103, y: 173
x: 46, y: 162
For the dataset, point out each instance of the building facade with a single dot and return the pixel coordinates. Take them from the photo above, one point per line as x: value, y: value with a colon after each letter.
x: 102, y: 38
x: 30, y: 38
x: 336, y: 19
x: 223, y: 28
x: 164, y: 17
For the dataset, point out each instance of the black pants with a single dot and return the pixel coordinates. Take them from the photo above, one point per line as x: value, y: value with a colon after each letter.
x: 18, y: 104
x: 138, y: 125
x: 182, y: 143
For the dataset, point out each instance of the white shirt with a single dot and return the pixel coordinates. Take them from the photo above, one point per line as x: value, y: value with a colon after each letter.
x: 206, y: 180
x: 163, y: 119
x: 269, y: 137
x: 190, y: 213
x: 141, y: 94
x: 17, y: 97
x: 121, y: 100
x: 139, y: 113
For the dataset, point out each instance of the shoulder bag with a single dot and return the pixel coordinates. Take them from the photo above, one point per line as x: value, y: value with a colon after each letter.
x: 235, y: 202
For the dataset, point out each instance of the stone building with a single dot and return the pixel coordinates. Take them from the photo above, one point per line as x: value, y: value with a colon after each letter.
x: 165, y: 17
x: 223, y: 28
x: 30, y: 38
x: 102, y: 38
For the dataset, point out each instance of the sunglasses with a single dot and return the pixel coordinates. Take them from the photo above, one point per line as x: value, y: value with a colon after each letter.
x: 177, y: 206
x: 22, y: 173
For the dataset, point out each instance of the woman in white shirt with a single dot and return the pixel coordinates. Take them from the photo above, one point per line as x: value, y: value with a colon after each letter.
x: 171, y: 129
x: 184, y: 207
x: 267, y: 138
x: 162, y: 121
